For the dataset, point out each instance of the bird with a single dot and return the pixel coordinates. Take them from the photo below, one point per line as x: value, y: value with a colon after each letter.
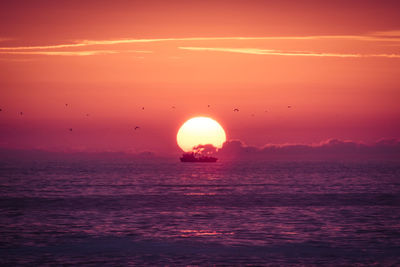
x: 236, y: 110
x: 289, y: 106
x: 208, y: 106
x: 137, y: 128
x: 66, y: 105
x: 70, y: 129
x: 21, y: 113
x: 173, y: 107
x: 142, y: 108
x: 87, y: 115
x: 1, y: 109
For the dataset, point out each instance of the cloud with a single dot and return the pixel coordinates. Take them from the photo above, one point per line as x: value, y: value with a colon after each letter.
x: 3, y: 39
x: 395, y: 33
x: 39, y: 47
x: 71, y: 53
x: 103, y: 47
x: 257, y: 51
x: 376, y: 37
x: 329, y: 149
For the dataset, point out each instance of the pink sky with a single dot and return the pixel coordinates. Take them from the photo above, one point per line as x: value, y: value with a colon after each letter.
x: 337, y: 64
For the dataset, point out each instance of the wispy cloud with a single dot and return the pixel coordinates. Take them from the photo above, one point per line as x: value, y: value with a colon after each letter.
x: 395, y: 33
x: 83, y: 43
x: 104, y: 47
x: 2, y: 39
x: 60, y: 53
x: 71, y: 53
x: 256, y: 51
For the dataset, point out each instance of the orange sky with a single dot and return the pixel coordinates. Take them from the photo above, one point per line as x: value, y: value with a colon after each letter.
x: 337, y: 64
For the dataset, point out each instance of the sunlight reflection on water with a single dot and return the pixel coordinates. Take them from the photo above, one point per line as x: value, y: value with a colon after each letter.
x: 280, y: 212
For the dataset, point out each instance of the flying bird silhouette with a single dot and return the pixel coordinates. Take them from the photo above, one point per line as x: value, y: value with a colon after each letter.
x: 236, y: 110
x: 142, y: 108
x: 289, y: 106
x: 137, y: 128
x: 21, y: 113
x: 66, y: 105
x: 70, y: 129
x: 208, y: 106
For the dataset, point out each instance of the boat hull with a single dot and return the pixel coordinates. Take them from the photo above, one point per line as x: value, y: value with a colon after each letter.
x: 191, y: 157
x: 199, y: 160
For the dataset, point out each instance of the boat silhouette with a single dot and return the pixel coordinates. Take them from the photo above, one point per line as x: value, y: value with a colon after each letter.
x: 192, y: 157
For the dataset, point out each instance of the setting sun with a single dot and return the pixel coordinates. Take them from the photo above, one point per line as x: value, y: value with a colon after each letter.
x: 200, y: 131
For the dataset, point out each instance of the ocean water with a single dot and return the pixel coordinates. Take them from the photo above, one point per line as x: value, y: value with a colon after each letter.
x: 171, y: 213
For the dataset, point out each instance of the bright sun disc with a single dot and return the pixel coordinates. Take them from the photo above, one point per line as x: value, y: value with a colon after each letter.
x: 200, y: 131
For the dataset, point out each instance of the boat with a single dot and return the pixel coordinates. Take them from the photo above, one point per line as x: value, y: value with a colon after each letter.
x: 191, y: 157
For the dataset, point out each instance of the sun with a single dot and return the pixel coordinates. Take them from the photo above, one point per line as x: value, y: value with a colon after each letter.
x: 200, y: 131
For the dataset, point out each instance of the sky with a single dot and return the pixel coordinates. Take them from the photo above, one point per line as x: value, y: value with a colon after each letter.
x: 336, y: 64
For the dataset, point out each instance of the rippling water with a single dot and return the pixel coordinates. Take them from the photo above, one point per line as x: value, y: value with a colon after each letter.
x: 169, y: 213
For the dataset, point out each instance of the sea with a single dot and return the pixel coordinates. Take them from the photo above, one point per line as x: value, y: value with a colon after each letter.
x: 231, y: 213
